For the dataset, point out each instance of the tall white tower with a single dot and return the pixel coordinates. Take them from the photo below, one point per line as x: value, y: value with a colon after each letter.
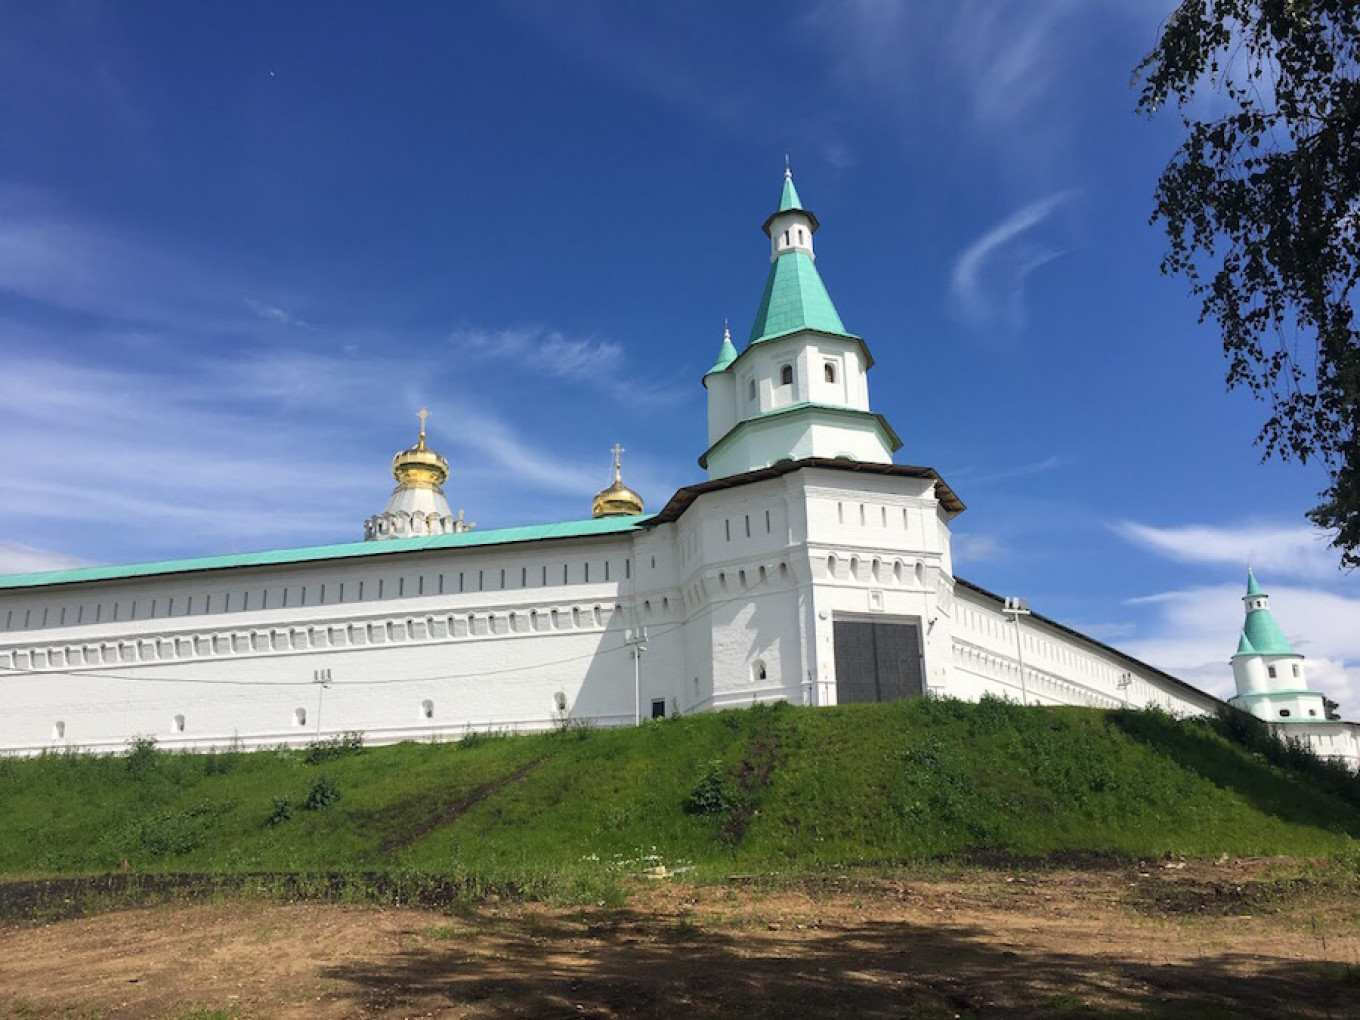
x: 1270, y: 675
x: 800, y: 387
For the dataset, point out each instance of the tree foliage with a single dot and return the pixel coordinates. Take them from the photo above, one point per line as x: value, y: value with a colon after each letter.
x: 1261, y: 205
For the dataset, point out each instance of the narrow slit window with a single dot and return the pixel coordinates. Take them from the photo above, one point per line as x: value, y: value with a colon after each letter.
x: 786, y: 375
x: 829, y: 372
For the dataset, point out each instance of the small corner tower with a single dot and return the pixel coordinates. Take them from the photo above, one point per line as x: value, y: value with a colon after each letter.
x: 617, y: 500
x: 417, y: 505
x: 800, y: 386
x: 1270, y: 676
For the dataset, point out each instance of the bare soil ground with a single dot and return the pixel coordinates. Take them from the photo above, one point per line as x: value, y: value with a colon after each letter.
x: 1167, y: 939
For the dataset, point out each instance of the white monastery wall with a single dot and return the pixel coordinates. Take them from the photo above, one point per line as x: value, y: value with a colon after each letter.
x: 1060, y: 668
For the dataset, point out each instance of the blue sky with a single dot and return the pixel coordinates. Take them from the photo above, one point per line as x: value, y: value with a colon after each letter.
x: 241, y: 244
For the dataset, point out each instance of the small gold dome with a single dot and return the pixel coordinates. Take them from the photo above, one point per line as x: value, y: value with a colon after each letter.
x: 420, y: 467
x: 618, y: 500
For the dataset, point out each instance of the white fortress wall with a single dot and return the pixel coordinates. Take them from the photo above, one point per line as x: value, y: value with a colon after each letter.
x: 181, y: 658
x: 1060, y: 667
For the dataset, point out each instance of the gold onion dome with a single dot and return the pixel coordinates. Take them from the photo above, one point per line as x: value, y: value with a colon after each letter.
x: 420, y: 467
x: 618, y: 500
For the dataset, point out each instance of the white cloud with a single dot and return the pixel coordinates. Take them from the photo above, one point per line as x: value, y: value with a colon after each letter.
x: 988, y: 279
x: 22, y: 559
x: 1001, y: 61
x: 1272, y: 550
x: 968, y: 548
x: 53, y: 258
x: 1050, y: 463
x: 273, y: 313
x: 600, y: 364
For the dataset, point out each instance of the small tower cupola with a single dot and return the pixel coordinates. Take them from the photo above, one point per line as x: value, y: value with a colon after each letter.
x: 790, y: 227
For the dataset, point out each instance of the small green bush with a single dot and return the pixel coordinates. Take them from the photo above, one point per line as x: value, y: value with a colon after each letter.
x: 280, y: 811
x: 347, y: 744
x: 714, y: 794
x: 324, y: 792
x: 141, y: 756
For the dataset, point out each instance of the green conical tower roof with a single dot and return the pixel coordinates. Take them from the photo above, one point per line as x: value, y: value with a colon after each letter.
x: 1261, y: 635
x: 794, y: 298
x: 726, y: 353
x: 788, y: 199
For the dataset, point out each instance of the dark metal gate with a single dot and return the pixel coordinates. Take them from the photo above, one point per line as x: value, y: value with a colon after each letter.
x: 877, y: 661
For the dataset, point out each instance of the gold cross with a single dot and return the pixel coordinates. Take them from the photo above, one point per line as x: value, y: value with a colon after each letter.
x: 422, y: 414
x: 616, y: 451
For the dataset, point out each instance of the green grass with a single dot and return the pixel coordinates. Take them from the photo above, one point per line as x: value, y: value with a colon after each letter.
x: 780, y: 790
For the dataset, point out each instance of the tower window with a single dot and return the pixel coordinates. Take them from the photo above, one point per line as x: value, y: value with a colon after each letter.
x: 786, y: 239
x: 1271, y: 671
x: 829, y: 372
x: 802, y: 238
x: 1296, y: 669
x: 786, y: 376
x: 751, y: 390
x: 1284, y: 713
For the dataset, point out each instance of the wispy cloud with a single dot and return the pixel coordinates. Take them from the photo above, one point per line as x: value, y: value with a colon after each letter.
x: 600, y: 364
x: 1000, y: 61
x: 273, y: 313
x: 975, y: 548
x: 1053, y: 462
x: 51, y: 257
x: 1275, y: 551
x: 22, y: 559
x: 988, y: 279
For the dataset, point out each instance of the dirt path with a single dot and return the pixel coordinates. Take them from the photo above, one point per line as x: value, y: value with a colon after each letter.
x: 982, y: 944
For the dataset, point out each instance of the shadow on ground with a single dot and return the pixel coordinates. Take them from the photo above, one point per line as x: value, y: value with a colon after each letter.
x: 622, y: 964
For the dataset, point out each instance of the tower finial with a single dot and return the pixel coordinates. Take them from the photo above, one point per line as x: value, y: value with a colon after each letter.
x: 422, y: 414
x: 727, y: 331
x: 788, y: 173
x: 618, y: 469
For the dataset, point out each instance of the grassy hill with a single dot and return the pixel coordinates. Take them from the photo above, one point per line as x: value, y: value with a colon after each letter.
x: 778, y: 789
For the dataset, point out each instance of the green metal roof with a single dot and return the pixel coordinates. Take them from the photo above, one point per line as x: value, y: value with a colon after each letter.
x: 1264, y: 634
x: 1252, y: 587
x: 795, y: 298
x: 788, y: 198
x: 726, y: 355
x: 346, y: 550
x: 1244, y: 646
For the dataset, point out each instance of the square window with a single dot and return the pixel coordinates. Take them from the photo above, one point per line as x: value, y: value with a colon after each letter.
x: 658, y: 708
